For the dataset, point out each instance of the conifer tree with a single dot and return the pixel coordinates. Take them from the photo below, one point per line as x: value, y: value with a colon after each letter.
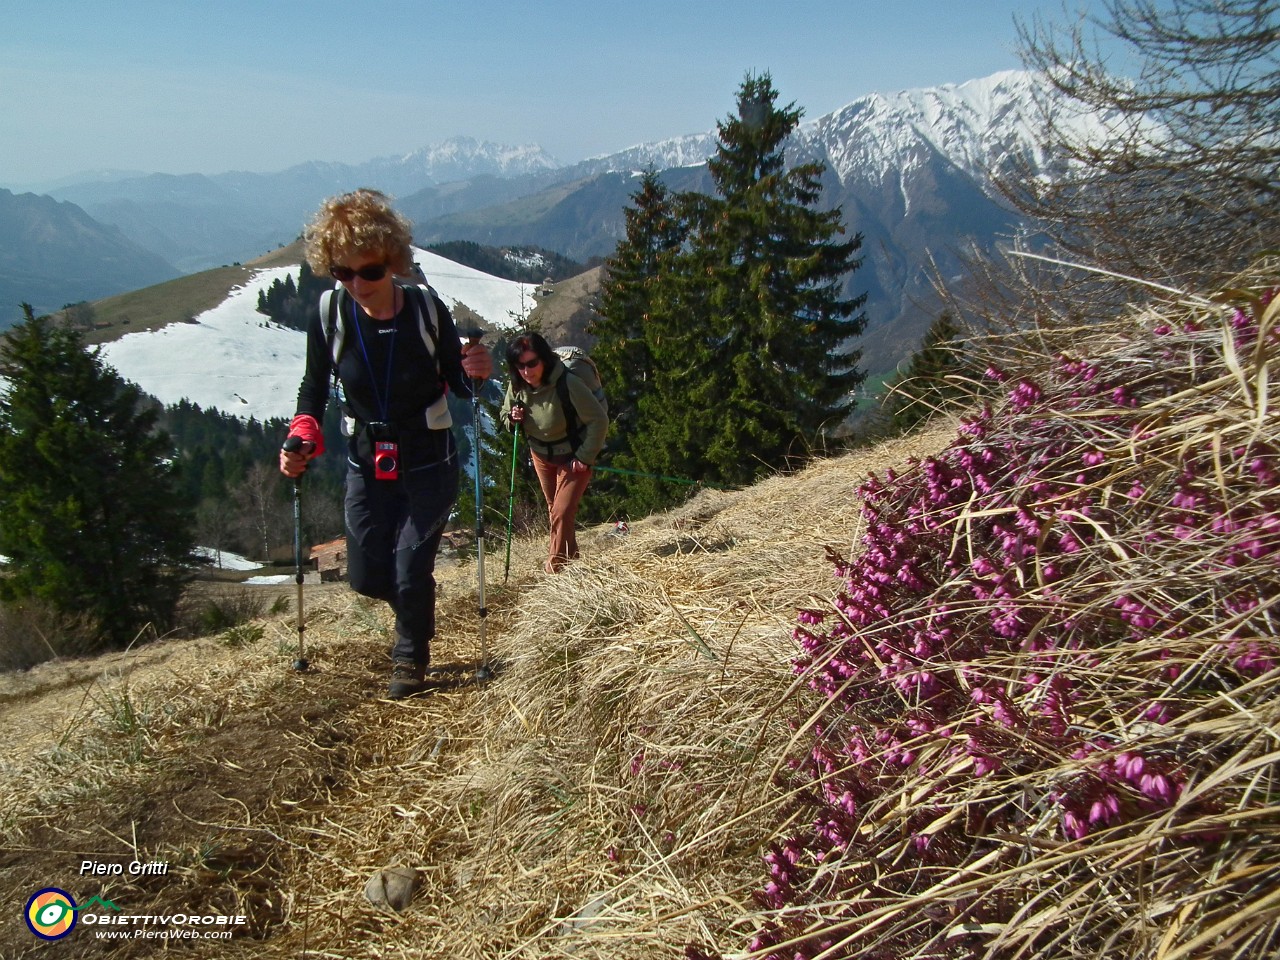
x: 93, y: 521
x: 627, y: 319
x: 932, y: 379
x: 632, y: 327
x: 756, y: 362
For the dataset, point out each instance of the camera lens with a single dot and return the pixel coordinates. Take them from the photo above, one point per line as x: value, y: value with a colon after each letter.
x: 386, y: 463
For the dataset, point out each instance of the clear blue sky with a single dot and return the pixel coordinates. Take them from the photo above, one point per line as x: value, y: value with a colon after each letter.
x: 206, y: 86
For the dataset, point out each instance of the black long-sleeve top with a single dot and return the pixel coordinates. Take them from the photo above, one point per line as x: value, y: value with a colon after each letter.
x: 386, y: 371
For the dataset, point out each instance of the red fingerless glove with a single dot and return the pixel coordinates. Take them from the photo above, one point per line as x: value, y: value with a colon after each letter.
x: 305, y: 428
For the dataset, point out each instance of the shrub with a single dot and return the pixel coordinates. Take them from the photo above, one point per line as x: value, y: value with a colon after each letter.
x: 33, y: 633
x: 215, y: 614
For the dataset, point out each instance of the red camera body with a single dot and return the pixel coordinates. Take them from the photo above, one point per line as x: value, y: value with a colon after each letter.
x: 386, y: 460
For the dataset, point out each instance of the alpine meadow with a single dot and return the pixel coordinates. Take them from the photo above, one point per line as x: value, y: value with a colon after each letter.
x: 927, y: 598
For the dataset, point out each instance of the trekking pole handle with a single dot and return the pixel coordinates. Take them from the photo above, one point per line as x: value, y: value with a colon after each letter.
x: 295, y: 444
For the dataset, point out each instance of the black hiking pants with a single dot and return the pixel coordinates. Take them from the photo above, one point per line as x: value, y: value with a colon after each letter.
x: 393, y: 532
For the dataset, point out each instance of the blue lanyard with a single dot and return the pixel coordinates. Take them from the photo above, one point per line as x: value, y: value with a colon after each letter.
x: 383, y: 401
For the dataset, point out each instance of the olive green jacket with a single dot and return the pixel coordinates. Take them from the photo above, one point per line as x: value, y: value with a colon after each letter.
x: 544, y: 422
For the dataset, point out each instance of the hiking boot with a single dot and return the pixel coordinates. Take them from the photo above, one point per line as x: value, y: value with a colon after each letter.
x: 407, y: 678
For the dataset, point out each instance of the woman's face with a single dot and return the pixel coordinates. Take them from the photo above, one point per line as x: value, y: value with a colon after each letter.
x: 530, y: 368
x: 366, y: 276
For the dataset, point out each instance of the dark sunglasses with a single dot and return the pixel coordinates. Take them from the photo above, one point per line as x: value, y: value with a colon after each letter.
x: 373, y: 272
x: 528, y: 364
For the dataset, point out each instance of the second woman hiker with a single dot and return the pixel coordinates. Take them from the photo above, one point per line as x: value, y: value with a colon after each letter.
x: 394, y: 367
x: 565, y: 425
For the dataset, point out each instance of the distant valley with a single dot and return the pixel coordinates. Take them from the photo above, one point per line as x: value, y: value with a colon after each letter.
x: 53, y: 253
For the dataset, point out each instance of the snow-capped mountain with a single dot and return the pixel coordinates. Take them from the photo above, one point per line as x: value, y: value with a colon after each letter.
x: 457, y: 158
x: 462, y: 157
x: 978, y: 126
x: 910, y: 170
x: 197, y: 221
x: 686, y: 151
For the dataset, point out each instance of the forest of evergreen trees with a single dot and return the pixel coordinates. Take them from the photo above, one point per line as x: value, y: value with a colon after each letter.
x: 723, y: 341
x: 293, y: 305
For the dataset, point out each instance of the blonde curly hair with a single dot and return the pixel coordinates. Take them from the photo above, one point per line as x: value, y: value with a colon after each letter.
x: 361, y: 221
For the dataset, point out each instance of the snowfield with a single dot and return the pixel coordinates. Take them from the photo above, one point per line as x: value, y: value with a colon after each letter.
x: 227, y: 560
x: 235, y: 359
x: 233, y: 561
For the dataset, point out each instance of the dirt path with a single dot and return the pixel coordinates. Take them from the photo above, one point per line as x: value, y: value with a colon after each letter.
x: 216, y: 759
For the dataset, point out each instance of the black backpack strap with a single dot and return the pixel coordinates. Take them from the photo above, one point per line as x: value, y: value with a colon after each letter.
x: 334, y: 333
x: 573, y: 425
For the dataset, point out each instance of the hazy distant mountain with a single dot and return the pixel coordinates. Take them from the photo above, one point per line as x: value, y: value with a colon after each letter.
x: 199, y: 220
x: 911, y: 171
x: 54, y: 253
x: 459, y: 158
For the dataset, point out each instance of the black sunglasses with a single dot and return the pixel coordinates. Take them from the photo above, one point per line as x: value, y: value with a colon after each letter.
x: 529, y: 364
x: 372, y: 273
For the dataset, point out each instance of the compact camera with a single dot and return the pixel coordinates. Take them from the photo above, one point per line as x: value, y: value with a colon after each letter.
x: 386, y: 460
x: 386, y: 452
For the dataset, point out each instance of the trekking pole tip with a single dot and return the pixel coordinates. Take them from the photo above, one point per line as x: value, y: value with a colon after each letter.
x: 301, y: 665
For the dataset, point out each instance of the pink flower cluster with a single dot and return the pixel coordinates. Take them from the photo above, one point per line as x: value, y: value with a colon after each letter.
x: 969, y: 630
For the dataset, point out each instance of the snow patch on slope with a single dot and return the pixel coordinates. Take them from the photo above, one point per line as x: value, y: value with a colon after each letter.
x: 236, y: 360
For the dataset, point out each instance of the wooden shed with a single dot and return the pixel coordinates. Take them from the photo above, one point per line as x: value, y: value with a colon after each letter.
x: 331, y: 559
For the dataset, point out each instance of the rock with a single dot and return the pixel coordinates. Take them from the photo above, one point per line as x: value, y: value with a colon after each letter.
x: 392, y: 887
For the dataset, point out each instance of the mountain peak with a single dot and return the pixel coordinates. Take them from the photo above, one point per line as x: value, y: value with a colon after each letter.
x: 977, y: 125
x: 463, y: 157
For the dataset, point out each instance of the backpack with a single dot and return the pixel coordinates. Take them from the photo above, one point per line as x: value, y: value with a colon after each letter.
x: 423, y: 298
x: 579, y: 363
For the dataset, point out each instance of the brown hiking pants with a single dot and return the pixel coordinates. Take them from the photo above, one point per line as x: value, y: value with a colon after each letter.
x: 563, y: 489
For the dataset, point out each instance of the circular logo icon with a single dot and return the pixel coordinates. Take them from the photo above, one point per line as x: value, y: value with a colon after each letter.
x: 51, y: 913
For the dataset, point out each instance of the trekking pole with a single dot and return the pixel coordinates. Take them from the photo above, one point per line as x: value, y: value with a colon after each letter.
x: 482, y: 672
x: 511, y: 501
x: 293, y: 445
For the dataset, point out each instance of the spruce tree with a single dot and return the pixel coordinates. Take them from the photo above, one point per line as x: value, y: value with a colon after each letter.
x: 628, y: 298
x: 93, y: 520
x: 756, y: 363
x: 633, y: 327
x: 935, y: 378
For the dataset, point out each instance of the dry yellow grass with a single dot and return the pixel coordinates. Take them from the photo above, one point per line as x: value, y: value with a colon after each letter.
x: 605, y: 794
x: 610, y: 792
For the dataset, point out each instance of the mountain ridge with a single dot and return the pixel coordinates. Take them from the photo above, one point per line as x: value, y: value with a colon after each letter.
x: 911, y: 170
x: 976, y: 124
x: 56, y: 254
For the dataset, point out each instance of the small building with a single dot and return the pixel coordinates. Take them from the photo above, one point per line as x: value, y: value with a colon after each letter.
x: 331, y: 560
